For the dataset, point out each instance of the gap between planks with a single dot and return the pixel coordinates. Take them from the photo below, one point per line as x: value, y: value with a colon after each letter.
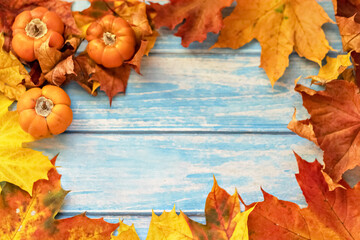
x: 197, y: 132
x: 132, y: 213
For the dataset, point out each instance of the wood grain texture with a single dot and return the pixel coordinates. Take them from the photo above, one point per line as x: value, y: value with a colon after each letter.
x: 140, y: 172
x: 199, y: 90
x: 194, y: 113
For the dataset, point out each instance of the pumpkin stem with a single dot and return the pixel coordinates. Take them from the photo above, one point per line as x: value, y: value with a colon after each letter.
x: 36, y: 28
x: 43, y: 106
x: 109, y: 38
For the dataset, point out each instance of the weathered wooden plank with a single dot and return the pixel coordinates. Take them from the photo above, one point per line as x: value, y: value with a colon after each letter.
x: 195, y: 93
x: 140, y: 172
x: 199, y: 90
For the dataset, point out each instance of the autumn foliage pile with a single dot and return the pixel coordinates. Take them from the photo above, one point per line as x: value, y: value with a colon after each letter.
x: 31, y: 193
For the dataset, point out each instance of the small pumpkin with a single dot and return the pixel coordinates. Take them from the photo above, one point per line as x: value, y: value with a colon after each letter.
x: 44, y: 111
x: 33, y: 28
x: 111, y: 41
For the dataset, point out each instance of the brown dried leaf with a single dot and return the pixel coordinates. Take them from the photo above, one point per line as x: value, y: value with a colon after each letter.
x: 63, y: 70
x: 335, y: 116
x: 135, y: 62
x: 112, y: 80
x: 84, y: 68
x: 134, y: 12
x: 302, y: 128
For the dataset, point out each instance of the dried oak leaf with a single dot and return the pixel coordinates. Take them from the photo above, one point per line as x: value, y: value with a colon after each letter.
x: 10, y: 9
x: 223, y: 220
x: 329, y: 214
x: 18, y: 165
x: 332, y: 69
x: 335, y: 117
x: 348, y: 19
x: 201, y: 17
x: 12, y: 74
x: 280, y: 27
x: 33, y: 217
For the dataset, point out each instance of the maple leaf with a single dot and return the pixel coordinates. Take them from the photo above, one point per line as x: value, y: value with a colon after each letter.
x: 325, y: 217
x: 62, y: 71
x: 223, y: 220
x: 18, y: 165
x: 135, y: 62
x: 351, y: 76
x: 26, y: 217
x: 280, y: 27
x: 84, y: 68
x: 201, y: 17
x: 302, y: 128
x: 49, y: 57
x: 151, y: 39
x: 332, y: 69
x: 169, y: 225
x: 12, y: 74
x: 126, y: 232
x: 335, y: 117
x: 134, y: 12
x: 348, y: 19
x: 112, y: 80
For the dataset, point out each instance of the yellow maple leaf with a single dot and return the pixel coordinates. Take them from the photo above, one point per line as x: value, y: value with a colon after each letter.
x: 224, y: 220
x: 332, y: 69
x: 12, y: 74
x: 241, y: 229
x: 126, y: 232
x: 169, y: 226
x: 18, y: 165
x: 280, y: 26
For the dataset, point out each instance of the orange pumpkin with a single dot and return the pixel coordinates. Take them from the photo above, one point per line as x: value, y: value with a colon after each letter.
x: 111, y: 41
x: 33, y: 28
x: 44, y: 111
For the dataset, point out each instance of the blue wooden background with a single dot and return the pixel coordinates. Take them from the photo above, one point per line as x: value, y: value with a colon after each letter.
x: 194, y: 113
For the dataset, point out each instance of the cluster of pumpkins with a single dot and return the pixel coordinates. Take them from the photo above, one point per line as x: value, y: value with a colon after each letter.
x: 47, y: 111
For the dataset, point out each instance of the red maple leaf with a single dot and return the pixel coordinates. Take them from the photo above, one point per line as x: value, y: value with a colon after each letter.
x: 329, y: 214
x: 201, y: 17
x: 335, y: 117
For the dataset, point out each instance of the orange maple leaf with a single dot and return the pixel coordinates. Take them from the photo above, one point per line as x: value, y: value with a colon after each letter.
x: 26, y: 217
x: 280, y: 27
x: 335, y: 117
x: 329, y: 214
x: 220, y: 212
x: 112, y: 80
x: 201, y: 17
